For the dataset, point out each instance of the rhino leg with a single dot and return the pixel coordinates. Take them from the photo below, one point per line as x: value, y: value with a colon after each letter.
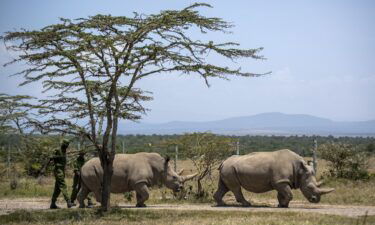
x: 142, y: 194
x: 219, y: 194
x: 82, y: 195
x: 239, y: 197
x: 98, y: 195
x: 284, y: 194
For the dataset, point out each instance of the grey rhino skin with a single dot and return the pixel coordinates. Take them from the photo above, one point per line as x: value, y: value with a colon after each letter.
x: 260, y: 172
x: 130, y: 172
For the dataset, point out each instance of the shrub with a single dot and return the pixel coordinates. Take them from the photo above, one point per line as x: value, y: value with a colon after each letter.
x: 206, y: 151
x: 345, y: 160
x: 36, y: 153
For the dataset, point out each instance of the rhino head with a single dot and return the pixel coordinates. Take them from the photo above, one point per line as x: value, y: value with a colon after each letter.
x: 309, y: 186
x: 172, y: 179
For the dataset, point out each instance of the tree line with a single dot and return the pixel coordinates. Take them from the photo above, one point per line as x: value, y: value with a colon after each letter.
x: 248, y: 143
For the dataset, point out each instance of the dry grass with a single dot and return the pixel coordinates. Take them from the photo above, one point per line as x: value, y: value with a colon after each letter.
x: 347, y: 191
x: 123, y: 216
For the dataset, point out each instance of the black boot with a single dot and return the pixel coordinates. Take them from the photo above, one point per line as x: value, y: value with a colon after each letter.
x: 53, y: 205
x: 90, y: 204
x: 69, y: 204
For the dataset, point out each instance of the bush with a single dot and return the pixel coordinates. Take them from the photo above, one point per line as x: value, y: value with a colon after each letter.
x: 345, y: 160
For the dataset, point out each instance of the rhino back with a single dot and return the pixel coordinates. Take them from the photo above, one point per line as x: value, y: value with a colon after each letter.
x: 139, y: 167
x: 128, y: 170
x: 259, y: 171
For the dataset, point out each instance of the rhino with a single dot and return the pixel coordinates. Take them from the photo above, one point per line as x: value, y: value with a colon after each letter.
x: 131, y: 172
x: 260, y: 172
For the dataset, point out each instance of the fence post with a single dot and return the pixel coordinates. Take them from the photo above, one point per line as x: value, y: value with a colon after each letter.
x: 123, y: 146
x: 176, y: 158
x: 238, y: 147
x: 315, y: 163
x: 8, y: 162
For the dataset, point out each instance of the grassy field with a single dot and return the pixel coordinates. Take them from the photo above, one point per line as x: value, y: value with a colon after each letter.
x: 347, y: 191
x: 125, y: 216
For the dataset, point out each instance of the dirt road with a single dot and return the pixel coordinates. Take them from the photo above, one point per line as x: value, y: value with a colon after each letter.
x: 9, y: 205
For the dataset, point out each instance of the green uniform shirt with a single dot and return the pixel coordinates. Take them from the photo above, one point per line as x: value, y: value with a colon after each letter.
x: 59, y: 159
x: 79, y: 163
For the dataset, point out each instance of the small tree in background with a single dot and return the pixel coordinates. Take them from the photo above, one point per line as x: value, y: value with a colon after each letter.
x: 370, y: 148
x: 345, y: 160
x: 14, y: 113
x: 206, y: 151
x: 14, y: 118
x: 93, y: 64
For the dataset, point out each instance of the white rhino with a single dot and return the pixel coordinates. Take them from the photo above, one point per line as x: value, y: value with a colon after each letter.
x: 130, y: 172
x: 260, y: 172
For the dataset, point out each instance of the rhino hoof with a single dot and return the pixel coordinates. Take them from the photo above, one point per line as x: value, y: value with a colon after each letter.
x: 221, y: 204
x: 283, y: 206
x: 247, y: 204
x: 140, y: 205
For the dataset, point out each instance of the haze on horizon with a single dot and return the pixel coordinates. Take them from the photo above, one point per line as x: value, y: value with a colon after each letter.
x: 321, y: 54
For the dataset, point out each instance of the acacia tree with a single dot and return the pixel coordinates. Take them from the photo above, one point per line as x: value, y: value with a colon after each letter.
x: 206, y: 151
x: 92, y: 64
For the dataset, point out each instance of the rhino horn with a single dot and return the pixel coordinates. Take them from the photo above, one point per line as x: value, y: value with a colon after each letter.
x: 180, y: 172
x: 323, y: 191
x: 189, y: 177
x: 320, y: 183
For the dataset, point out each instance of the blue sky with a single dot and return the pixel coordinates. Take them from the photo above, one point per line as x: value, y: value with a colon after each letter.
x: 321, y: 54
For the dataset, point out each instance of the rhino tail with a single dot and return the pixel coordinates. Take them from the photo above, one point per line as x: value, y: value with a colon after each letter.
x: 220, y: 166
x: 98, y: 177
x: 222, y: 185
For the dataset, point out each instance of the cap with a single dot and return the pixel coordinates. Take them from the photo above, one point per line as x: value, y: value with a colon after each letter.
x: 65, y: 142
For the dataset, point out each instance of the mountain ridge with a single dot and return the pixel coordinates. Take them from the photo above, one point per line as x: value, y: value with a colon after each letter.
x: 272, y: 123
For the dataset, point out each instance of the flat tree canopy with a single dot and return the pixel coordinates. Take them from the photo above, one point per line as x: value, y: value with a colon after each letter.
x: 14, y: 113
x: 91, y: 65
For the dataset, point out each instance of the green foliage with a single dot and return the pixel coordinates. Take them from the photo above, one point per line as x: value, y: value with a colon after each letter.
x: 128, y: 196
x: 371, y: 148
x: 345, y: 161
x: 299, y: 144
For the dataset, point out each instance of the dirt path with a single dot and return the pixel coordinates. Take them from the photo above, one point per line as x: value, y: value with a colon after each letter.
x: 9, y: 205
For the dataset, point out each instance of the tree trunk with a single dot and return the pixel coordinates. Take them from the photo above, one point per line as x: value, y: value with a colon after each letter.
x: 200, y: 188
x: 107, y: 165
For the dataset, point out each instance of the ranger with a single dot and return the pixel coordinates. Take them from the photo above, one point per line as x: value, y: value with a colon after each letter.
x: 77, y: 179
x: 59, y: 161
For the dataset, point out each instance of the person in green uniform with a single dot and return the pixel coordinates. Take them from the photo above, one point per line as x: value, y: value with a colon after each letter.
x: 59, y: 161
x: 77, y: 179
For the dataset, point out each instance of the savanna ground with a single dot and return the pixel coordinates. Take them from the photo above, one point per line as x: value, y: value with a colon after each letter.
x: 353, y: 202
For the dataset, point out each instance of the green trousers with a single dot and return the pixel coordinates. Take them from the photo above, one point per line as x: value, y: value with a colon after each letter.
x: 60, y: 186
x: 76, y: 187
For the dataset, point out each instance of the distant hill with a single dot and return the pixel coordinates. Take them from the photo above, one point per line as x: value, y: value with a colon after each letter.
x: 260, y: 124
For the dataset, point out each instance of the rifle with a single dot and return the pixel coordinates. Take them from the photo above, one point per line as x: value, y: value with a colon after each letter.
x: 42, y: 171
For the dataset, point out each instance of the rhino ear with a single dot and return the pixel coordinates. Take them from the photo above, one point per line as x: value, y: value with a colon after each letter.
x: 167, y: 158
x: 303, y: 166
